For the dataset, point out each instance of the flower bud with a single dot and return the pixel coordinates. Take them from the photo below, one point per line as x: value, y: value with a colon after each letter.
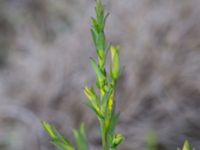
x: 187, y: 146
x: 91, y: 95
x: 115, y: 62
x: 110, y: 103
x: 117, y: 140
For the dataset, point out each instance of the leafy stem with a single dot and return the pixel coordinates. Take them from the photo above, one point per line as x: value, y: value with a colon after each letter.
x: 101, y: 97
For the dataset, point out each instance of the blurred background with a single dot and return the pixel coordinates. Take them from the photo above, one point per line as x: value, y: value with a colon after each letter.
x: 45, y: 47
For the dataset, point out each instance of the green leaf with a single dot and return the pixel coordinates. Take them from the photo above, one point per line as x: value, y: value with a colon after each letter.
x: 94, y: 36
x: 61, y: 146
x: 104, y: 21
x: 97, y: 111
x: 49, y: 129
x: 56, y: 138
x: 101, y: 44
x: 100, y: 76
x: 99, y: 11
x: 113, y: 123
x: 80, y: 137
x: 95, y: 26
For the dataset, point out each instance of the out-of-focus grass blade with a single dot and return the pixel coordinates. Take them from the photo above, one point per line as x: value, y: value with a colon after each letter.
x: 81, y: 139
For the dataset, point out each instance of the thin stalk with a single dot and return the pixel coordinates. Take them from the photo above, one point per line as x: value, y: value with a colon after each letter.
x: 103, y: 136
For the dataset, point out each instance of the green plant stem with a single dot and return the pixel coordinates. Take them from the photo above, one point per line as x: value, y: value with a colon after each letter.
x: 103, y: 136
x: 103, y: 133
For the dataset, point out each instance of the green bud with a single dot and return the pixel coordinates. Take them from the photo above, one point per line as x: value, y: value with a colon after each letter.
x: 115, y: 62
x: 117, y: 140
x: 90, y: 93
x: 92, y: 97
x: 187, y: 146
